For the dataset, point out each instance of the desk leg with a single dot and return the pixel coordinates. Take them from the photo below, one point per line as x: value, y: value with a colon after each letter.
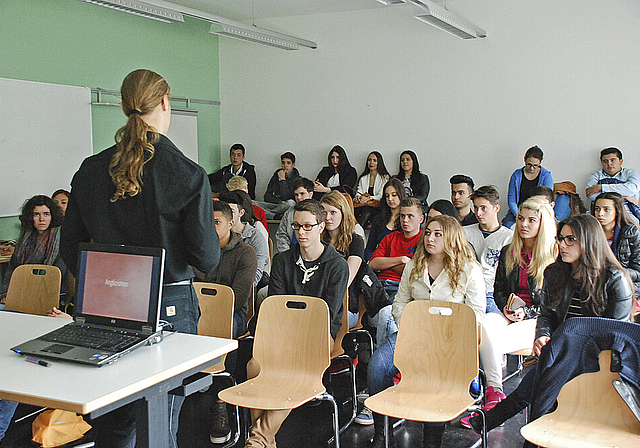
x: 153, y: 422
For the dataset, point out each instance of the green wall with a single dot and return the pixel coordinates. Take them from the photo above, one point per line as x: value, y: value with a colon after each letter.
x: 76, y: 43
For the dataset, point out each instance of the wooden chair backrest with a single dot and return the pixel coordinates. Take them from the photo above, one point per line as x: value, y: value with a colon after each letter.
x: 292, y: 335
x: 344, y: 328
x: 216, y: 320
x: 590, y: 407
x: 437, y: 345
x: 251, y: 310
x: 34, y: 289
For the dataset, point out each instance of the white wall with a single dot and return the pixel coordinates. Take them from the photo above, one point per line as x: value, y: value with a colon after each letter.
x: 561, y: 75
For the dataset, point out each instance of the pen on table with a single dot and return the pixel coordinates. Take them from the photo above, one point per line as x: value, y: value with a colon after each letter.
x: 38, y: 361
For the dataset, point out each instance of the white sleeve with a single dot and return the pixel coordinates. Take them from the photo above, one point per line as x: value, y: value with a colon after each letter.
x: 474, y: 292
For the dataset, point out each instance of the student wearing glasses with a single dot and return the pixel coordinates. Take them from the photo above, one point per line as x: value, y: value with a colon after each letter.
x: 585, y: 281
x: 523, y: 180
x: 310, y: 268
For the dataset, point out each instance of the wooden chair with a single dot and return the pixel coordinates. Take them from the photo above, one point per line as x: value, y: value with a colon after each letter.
x: 34, y: 289
x: 216, y: 306
x: 521, y: 354
x: 437, y: 354
x: 590, y: 414
x: 291, y: 346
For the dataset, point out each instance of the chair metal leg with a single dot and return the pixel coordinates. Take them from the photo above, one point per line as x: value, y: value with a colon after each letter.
x: 336, y: 425
x: 386, y: 431
x: 483, y: 441
x: 519, y: 369
x: 354, y: 393
x: 234, y: 440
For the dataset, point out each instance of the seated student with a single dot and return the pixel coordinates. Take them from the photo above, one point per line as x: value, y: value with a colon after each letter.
x: 443, y: 268
x: 310, y: 268
x: 524, y: 179
x: 442, y: 207
x: 585, y: 281
x: 416, y: 184
x: 279, y: 195
x: 520, y: 272
x: 247, y: 230
x: 338, y: 174
x: 622, y: 234
x: 285, y: 238
x: 240, y: 183
x: 237, y: 167
x: 61, y: 197
x: 395, y: 251
x: 39, y: 241
x: 615, y: 179
x: 370, y: 188
x: 461, y: 191
x: 237, y: 268
x: 488, y: 237
x: 389, y: 218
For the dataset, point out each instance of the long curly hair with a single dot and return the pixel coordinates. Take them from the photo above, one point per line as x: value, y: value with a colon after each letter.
x: 457, y: 251
x: 142, y: 90
x: 347, y: 224
x: 545, y: 249
x: 385, y: 211
x: 26, y: 212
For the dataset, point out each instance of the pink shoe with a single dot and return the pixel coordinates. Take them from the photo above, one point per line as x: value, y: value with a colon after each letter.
x: 493, y: 398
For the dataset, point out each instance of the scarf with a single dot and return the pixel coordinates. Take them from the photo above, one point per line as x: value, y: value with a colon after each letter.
x: 31, y: 251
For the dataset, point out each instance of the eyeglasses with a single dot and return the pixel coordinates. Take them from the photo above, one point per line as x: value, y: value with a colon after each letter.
x: 532, y: 165
x: 569, y: 240
x: 305, y: 227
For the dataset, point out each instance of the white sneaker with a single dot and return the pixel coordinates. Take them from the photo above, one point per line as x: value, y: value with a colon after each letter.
x: 364, y: 417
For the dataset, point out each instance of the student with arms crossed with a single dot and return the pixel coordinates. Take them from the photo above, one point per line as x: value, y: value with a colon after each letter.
x: 279, y: 195
x: 237, y: 167
x: 310, y: 268
x: 168, y: 204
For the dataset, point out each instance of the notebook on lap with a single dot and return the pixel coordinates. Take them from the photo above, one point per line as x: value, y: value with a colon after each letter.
x: 118, y: 297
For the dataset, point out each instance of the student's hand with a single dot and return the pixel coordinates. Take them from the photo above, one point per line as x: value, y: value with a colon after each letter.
x: 281, y: 175
x: 539, y: 343
x: 319, y: 187
x: 514, y: 316
x: 594, y: 189
x: 55, y: 312
x: 6, y: 249
x: 404, y: 260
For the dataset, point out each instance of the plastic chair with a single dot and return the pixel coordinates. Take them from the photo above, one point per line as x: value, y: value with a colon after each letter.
x: 590, y: 414
x: 291, y: 346
x: 216, y: 305
x: 437, y: 354
x: 34, y: 289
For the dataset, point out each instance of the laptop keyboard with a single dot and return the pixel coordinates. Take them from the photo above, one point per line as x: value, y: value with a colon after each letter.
x: 91, y: 337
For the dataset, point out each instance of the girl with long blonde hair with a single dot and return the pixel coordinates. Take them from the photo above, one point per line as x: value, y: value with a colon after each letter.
x: 520, y: 273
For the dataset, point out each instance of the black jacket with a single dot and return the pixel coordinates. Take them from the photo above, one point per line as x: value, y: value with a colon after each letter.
x: 280, y: 190
x: 618, y: 298
x: 627, y: 248
x: 173, y: 211
x: 420, y: 190
x: 328, y: 282
x: 219, y: 179
x: 348, y: 179
x: 506, y: 284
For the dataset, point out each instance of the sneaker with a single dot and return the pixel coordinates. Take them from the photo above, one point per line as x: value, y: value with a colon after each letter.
x: 364, y: 417
x: 493, y: 398
x: 220, y: 432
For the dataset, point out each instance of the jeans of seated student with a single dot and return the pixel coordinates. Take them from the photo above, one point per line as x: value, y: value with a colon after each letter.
x: 7, y: 409
x: 491, y: 304
x: 509, y: 220
x: 383, y: 320
x: 381, y: 369
x: 562, y: 208
x: 117, y: 429
x: 272, y: 209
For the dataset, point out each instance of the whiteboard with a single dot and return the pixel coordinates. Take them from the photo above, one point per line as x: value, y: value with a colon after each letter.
x: 183, y: 132
x: 45, y: 133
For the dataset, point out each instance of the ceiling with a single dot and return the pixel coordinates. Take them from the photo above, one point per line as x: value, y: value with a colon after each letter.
x: 241, y: 10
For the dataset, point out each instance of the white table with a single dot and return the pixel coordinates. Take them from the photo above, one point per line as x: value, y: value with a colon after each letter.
x: 149, y: 372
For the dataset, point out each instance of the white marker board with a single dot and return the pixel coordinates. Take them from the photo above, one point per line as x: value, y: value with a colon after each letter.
x: 45, y: 133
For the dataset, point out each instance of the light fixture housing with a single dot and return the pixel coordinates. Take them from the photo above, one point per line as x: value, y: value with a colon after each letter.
x: 142, y: 9
x: 390, y: 2
x: 446, y: 21
x: 260, y: 36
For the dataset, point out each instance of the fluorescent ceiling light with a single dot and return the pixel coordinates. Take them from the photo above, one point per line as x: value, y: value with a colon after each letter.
x: 141, y: 9
x: 446, y: 21
x: 391, y: 2
x: 260, y: 36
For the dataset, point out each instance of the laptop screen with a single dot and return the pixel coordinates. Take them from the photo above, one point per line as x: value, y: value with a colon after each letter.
x: 119, y: 285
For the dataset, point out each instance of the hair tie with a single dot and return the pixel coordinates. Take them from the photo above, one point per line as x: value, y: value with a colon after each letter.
x: 135, y: 111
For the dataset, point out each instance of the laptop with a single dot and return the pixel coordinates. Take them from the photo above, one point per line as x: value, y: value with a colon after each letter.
x: 119, y: 289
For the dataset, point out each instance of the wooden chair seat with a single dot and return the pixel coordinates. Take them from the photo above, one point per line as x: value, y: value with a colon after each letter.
x: 590, y: 414
x: 34, y: 289
x: 523, y: 352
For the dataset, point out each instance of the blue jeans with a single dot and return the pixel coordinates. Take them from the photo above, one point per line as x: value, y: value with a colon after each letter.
x: 381, y: 370
x: 491, y: 304
x: 7, y: 408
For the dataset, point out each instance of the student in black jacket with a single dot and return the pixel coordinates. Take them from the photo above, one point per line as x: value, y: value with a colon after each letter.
x: 237, y: 167
x: 416, y: 183
x: 279, y: 195
x: 338, y: 174
x: 167, y: 204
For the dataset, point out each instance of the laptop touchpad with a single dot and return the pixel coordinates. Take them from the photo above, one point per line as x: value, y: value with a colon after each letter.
x: 57, y: 348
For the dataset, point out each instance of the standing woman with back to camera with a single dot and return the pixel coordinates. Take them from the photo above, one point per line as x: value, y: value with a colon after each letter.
x: 144, y: 192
